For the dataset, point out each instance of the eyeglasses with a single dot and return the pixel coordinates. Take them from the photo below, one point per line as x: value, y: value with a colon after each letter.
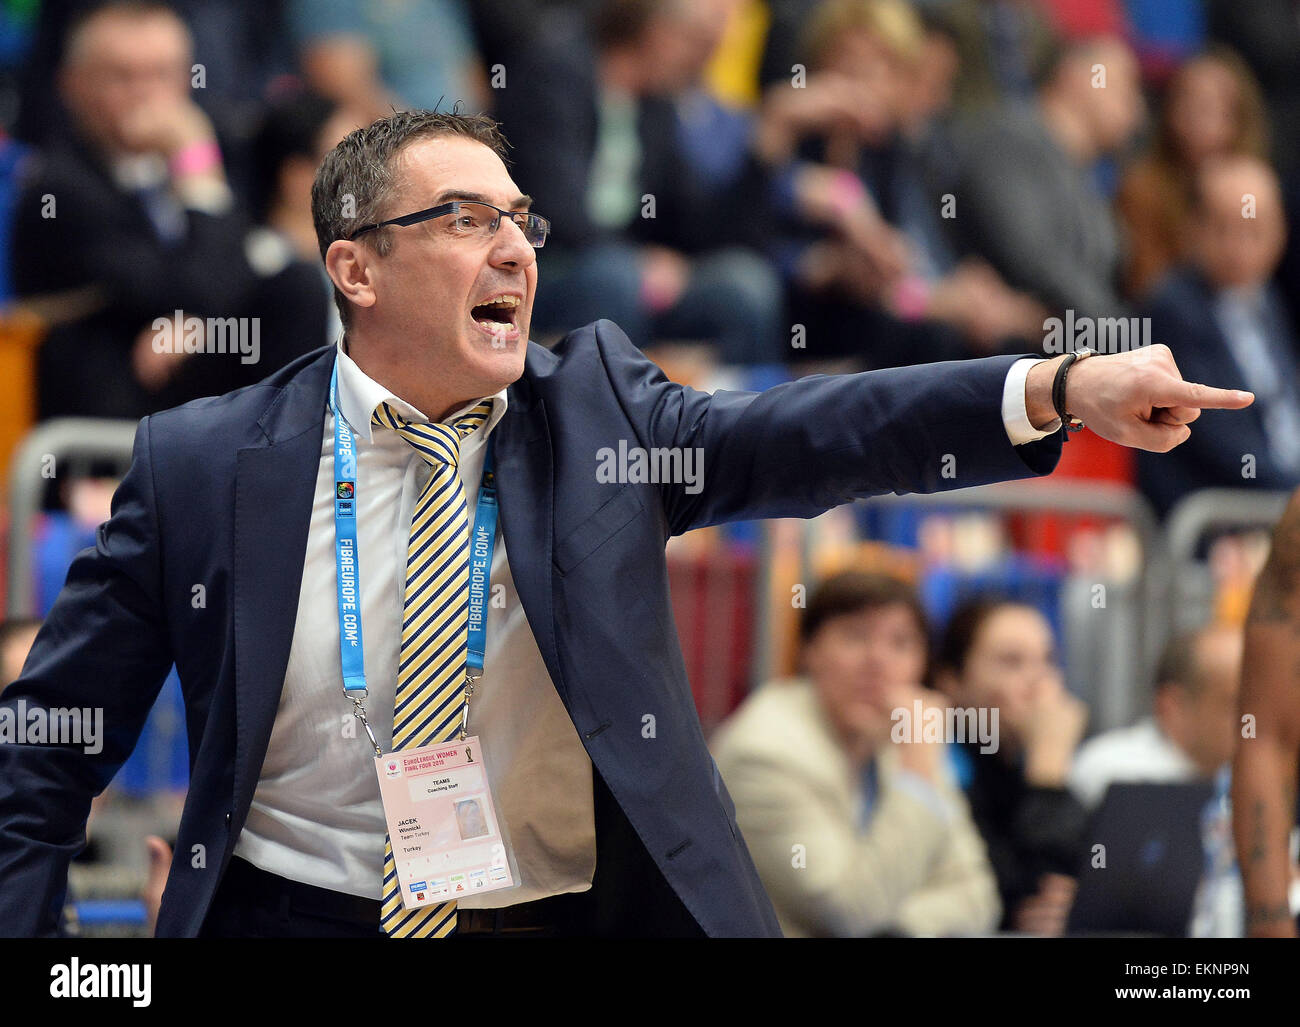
x: 473, y: 219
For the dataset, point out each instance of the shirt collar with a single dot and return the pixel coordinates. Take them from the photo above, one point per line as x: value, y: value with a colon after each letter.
x: 138, y: 171
x: 359, y: 395
x: 1244, y: 299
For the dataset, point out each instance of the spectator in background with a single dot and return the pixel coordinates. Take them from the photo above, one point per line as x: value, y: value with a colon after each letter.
x: 1267, y: 34
x: 239, y: 50
x: 1212, y: 107
x: 999, y: 654
x: 880, y: 836
x: 1223, y: 319
x: 16, y: 638
x: 1004, y: 46
x: 1028, y: 201
x: 1193, y: 727
x: 376, y: 55
x: 642, y: 233
x: 132, y: 209
x: 874, y: 273
x: 296, y: 134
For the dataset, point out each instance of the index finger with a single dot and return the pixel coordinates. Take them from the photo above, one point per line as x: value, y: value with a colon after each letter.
x: 1204, y: 397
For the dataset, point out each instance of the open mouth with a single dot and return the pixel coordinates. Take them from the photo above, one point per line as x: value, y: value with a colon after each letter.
x: 497, y: 315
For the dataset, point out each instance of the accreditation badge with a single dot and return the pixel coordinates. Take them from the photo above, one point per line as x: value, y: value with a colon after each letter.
x: 442, y: 823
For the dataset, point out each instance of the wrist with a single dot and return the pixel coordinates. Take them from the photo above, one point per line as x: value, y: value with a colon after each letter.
x: 1038, y: 393
x: 1046, y: 767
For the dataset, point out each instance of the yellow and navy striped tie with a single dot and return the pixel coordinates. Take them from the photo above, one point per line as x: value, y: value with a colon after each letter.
x: 435, y: 620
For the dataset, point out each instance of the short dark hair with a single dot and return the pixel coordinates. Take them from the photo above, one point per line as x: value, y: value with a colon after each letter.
x: 1178, y: 663
x: 291, y: 127
x: 622, y: 23
x: 138, y: 10
x: 964, y: 626
x: 360, y: 167
x: 852, y: 592
x: 1058, y: 52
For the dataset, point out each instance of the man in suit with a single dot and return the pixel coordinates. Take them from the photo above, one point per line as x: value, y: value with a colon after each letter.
x: 130, y: 210
x: 1226, y: 322
x: 220, y: 556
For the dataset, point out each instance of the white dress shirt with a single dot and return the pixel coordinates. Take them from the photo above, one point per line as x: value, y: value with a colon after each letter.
x: 1242, y: 318
x: 316, y: 816
x: 1131, y: 754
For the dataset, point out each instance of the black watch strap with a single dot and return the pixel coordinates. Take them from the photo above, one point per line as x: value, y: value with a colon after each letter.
x: 1068, y: 422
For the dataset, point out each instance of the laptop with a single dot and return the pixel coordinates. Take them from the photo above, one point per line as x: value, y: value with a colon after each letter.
x: 1154, y: 861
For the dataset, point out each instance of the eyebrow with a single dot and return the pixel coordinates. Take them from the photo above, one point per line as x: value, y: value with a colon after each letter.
x: 520, y: 202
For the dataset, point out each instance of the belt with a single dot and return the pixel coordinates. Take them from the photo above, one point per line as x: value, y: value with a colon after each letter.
x: 542, y: 918
x: 273, y: 890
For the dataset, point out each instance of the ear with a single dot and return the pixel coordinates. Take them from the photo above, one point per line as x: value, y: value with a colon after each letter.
x: 351, y: 267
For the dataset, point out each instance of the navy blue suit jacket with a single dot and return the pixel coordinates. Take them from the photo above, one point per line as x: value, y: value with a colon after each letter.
x: 220, y: 491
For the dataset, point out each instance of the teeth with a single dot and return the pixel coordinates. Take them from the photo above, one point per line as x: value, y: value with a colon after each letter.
x: 501, y: 301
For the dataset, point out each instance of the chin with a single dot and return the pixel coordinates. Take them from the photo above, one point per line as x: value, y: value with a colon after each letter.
x: 497, y: 368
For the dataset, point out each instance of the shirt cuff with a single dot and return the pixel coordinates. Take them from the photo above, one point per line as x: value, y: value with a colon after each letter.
x: 1015, y: 415
x: 206, y: 196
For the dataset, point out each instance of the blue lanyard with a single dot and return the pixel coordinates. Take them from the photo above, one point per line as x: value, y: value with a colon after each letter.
x: 482, y: 543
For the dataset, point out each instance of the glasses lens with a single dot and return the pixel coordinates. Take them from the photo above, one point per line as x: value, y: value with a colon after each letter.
x: 536, y: 229
x: 473, y: 219
x: 479, y: 219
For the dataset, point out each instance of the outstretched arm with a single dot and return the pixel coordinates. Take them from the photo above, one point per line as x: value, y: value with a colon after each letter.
x: 803, y: 447
x: 1264, y: 769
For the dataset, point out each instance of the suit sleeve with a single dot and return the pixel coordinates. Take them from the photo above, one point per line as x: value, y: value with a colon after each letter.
x: 104, y: 646
x: 803, y: 447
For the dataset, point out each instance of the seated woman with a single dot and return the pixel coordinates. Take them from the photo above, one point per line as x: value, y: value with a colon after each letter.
x: 999, y: 655
x: 852, y: 833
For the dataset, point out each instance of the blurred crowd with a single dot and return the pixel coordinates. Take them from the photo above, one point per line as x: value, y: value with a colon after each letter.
x: 791, y: 185
x: 863, y: 821
x: 785, y: 186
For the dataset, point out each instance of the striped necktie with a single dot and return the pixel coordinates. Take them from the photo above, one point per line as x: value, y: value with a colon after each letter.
x: 431, y: 659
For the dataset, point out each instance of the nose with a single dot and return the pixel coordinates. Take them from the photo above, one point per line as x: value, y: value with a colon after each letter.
x: 509, y: 246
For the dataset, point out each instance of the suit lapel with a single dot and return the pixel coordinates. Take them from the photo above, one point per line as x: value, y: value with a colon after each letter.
x: 525, y: 485
x: 275, y: 486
